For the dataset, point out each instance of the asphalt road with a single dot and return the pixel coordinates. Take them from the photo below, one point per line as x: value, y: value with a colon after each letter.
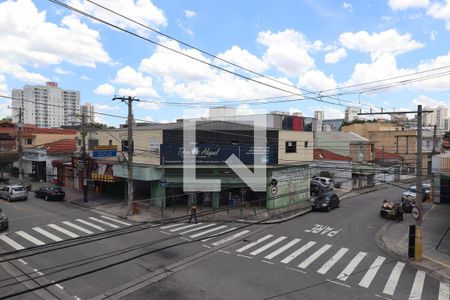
x: 291, y: 260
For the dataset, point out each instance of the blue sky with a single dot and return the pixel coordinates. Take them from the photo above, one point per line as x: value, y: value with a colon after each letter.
x: 320, y: 46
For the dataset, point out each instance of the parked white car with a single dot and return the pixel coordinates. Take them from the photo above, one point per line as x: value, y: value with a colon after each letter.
x: 14, y: 192
x: 325, y: 180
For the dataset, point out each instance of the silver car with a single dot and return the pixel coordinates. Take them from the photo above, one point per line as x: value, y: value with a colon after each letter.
x: 14, y: 192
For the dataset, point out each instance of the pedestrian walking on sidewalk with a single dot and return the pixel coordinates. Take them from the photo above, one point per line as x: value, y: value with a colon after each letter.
x: 193, y: 212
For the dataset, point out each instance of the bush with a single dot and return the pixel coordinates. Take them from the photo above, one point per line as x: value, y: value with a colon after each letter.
x: 14, y: 171
x: 326, y: 174
x: 338, y: 185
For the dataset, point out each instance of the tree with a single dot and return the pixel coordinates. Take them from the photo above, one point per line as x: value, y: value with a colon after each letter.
x: 447, y: 136
x: 6, y: 161
x: 6, y: 119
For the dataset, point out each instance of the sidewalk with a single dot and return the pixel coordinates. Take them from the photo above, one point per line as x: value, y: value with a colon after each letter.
x: 393, y: 238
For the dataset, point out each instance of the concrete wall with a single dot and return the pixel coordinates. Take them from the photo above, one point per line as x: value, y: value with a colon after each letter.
x: 303, y: 153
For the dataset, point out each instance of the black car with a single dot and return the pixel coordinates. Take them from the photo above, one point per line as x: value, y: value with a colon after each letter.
x: 3, y: 220
x: 326, y: 201
x: 50, y: 193
x: 317, y: 187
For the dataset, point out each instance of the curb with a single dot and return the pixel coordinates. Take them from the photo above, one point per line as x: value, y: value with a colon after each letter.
x: 379, y: 240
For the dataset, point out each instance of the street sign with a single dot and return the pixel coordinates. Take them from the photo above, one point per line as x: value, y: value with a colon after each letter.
x: 415, y: 213
x: 274, y: 190
x: 104, y: 151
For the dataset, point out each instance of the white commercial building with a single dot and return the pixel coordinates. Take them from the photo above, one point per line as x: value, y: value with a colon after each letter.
x: 437, y: 117
x: 46, y: 106
x: 319, y: 116
x: 351, y: 113
x: 87, y: 110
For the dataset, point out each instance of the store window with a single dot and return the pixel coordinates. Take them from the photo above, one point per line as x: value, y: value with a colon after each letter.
x: 291, y: 147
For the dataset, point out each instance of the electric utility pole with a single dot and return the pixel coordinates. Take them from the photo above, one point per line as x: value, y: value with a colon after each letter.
x: 129, y: 100
x: 84, y: 158
x: 19, y: 126
x: 419, y: 190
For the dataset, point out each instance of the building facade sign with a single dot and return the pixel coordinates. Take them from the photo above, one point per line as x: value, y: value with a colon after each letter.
x: 173, y: 154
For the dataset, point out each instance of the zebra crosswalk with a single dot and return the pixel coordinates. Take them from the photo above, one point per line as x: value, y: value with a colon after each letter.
x: 57, y: 232
x: 338, y: 264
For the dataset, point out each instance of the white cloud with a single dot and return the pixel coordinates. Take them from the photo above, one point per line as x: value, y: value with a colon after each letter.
x: 316, y: 80
x: 3, y: 85
x: 377, y: 44
x: 335, y: 56
x: 190, y: 13
x: 149, y: 105
x: 441, y: 10
x: 84, y: 77
x: 438, y: 83
x: 243, y: 58
x: 142, y: 11
x: 330, y: 112
x: 105, y: 107
x: 61, y: 71
x: 138, y: 92
x: 185, y: 29
x: 288, y: 51
x: 406, y: 4
x: 244, y: 109
x: 347, y: 5
x: 433, y: 35
x: 427, y: 101
x: 382, y: 67
x: 105, y: 89
x: 166, y: 63
x: 19, y: 72
x: 28, y: 39
x: 128, y: 76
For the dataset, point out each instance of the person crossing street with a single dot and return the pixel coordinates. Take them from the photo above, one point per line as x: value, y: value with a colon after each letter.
x: 193, y: 212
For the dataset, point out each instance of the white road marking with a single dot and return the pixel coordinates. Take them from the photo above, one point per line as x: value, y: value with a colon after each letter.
x: 386, y: 298
x: 77, y: 227
x: 218, y: 234
x: 172, y: 225
x: 184, y: 227
x: 65, y: 231
x: 267, y: 262
x: 245, y: 256
x: 391, y: 284
x: 351, y: 266
x: 332, y: 261
x: 197, y: 228
x: 304, y: 264
x: 224, y: 251
x: 416, y: 290
x: 444, y: 291
x: 30, y: 238
x: 90, y: 224
x: 59, y: 286
x: 232, y: 237
x: 296, y: 270
x: 282, y: 249
x: 12, y: 243
x: 338, y: 283
x: 373, y: 270
x: 77, y: 298
x: 298, y: 252
x: 207, y: 231
x: 186, y: 239
x: 37, y: 272
x: 207, y: 246
x: 117, y: 220
x: 47, y: 234
x: 248, y: 246
x: 22, y: 261
x: 267, y: 246
x: 104, y: 222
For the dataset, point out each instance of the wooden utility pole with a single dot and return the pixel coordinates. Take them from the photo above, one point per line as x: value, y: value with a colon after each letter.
x: 84, y: 158
x: 419, y: 189
x: 129, y: 100
x: 20, y: 148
